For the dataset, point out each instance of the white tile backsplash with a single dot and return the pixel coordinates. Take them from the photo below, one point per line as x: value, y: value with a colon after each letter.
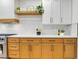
x: 28, y: 25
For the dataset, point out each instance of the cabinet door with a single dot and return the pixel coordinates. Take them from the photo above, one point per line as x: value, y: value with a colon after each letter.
x: 55, y: 12
x: 30, y: 48
x: 57, y: 51
x: 69, y: 51
x: 13, y: 54
x: 24, y: 51
x: 47, y: 11
x: 47, y: 51
x: 52, y: 51
x: 7, y: 9
x: 66, y: 11
x: 75, y: 11
x: 36, y: 51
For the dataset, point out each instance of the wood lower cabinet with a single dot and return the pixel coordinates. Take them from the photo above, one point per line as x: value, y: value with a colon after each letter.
x: 13, y: 48
x: 36, y: 51
x: 51, y: 49
x: 24, y: 51
x: 70, y: 49
x: 58, y: 51
x: 42, y: 48
x: 30, y: 48
x: 30, y: 51
x: 46, y: 51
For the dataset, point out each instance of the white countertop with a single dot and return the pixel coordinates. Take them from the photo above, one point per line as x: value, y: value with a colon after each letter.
x: 43, y: 36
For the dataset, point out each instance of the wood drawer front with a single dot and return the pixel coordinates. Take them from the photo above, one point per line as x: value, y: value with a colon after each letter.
x: 70, y: 40
x: 30, y: 40
x: 13, y: 40
x: 13, y: 51
x: 52, y: 40
x: 13, y: 46
x: 14, y: 55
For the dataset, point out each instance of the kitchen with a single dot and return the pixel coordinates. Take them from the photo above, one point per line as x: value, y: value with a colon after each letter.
x: 38, y: 29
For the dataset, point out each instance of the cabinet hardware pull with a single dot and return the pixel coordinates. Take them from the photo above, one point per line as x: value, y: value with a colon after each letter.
x: 64, y: 48
x: 61, y: 19
x: 51, y: 20
x: 52, y: 47
x: 30, y: 47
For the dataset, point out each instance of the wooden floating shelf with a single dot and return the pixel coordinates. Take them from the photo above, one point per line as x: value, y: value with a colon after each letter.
x: 27, y: 13
x: 9, y: 20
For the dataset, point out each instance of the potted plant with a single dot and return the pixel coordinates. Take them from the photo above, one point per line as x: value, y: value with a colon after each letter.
x: 62, y: 32
x: 40, y: 9
x: 17, y: 9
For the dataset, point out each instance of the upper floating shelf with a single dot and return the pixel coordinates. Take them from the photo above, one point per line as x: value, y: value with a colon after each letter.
x: 27, y: 13
x: 9, y: 20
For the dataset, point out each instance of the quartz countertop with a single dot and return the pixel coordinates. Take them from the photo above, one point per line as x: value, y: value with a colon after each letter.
x: 43, y: 36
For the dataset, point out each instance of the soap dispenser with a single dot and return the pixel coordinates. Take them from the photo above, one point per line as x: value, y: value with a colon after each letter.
x: 38, y: 31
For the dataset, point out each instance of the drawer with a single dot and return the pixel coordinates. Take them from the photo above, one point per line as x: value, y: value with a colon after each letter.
x: 52, y: 40
x: 13, y: 58
x: 13, y: 55
x: 30, y: 40
x: 13, y: 40
x: 70, y: 40
x: 13, y: 51
x: 13, y: 46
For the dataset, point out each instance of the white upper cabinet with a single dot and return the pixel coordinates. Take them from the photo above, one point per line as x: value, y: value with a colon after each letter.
x: 57, y: 11
x: 7, y: 9
x: 47, y: 11
x: 66, y: 11
x: 74, y: 11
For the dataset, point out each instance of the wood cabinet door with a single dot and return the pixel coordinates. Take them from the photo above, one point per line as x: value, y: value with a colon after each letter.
x: 36, y: 51
x: 47, y: 52
x: 24, y: 51
x: 69, y: 51
x: 57, y: 51
x: 30, y: 48
x: 52, y: 49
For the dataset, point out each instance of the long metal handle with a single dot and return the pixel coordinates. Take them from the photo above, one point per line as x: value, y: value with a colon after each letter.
x: 1, y: 48
x: 52, y: 47
x: 51, y: 19
x: 64, y: 48
x: 30, y: 47
x: 61, y: 19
